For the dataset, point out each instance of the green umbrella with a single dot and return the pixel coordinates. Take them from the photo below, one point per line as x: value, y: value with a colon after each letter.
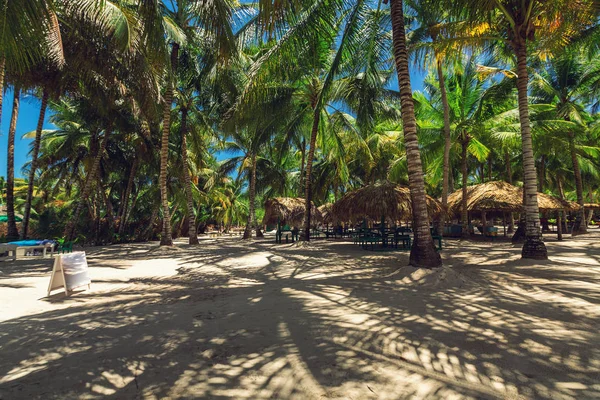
x: 4, y: 218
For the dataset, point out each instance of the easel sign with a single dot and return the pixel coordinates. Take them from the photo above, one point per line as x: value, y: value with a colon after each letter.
x: 70, y: 271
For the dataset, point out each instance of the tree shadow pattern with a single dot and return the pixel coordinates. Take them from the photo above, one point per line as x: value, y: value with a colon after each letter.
x: 259, y: 321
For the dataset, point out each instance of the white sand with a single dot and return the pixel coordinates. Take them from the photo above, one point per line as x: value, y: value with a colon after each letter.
x: 228, y: 319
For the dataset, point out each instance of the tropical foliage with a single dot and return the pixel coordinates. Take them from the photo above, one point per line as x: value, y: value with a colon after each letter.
x: 169, y: 118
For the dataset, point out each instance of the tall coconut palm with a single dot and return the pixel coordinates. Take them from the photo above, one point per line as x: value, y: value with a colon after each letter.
x: 13, y: 232
x: 426, y: 42
x: 33, y: 165
x: 423, y: 253
x: 563, y: 81
x: 30, y: 33
x: 518, y: 23
x: 212, y: 19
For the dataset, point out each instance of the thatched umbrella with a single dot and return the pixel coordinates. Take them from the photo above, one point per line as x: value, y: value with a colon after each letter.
x: 378, y: 200
x: 503, y: 197
x: 490, y: 196
x: 288, y: 211
x: 325, y: 211
x: 547, y: 202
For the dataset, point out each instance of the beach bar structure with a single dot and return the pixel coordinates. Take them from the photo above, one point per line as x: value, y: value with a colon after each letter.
x: 498, y: 197
x: 384, y: 200
x: 287, y: 213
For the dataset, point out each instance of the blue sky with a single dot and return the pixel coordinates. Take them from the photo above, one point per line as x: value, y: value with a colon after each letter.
x: 29, y: 112
x: 27, y: 121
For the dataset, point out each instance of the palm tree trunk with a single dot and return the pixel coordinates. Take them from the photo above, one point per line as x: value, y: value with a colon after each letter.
x: 13, y: 232
x: 148, y: 231
x: 423, y: 252
x: 87, y: 188
x: 464, y: 216
x: 125, y: 212
x: 590, y: 213
x: 508, y: 167
x: 307, y: 181
x: 534, y: 246
x: 579, y: 226
x: 110, y: 215
x: 511, y: 221
x: 33, y: 168
x: 302, y: 161
x: 2, y: 67
x: 447, y: 140
x: 561, y: 195
x: 251, y: 223
x: 166, y: 237
x: 193, y: 236
x: 542, y: 173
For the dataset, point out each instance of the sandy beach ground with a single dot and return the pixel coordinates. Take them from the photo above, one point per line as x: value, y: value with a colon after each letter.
x: 233, y: 320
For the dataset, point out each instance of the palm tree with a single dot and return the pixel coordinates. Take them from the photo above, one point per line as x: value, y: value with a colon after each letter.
x: 212, y: 19
x: 13, y: 232
x: 423, y: 253
x: 563, y: 82
x: 30, y: 33
x: 517, y: 23
x: 33, y: 165
x: 434, y: 27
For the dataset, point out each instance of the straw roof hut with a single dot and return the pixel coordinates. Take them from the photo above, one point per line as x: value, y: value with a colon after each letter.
x: 288, y: 210
x: 547, y: 202
x: 504, y: 197
x: 379, y: 200
x: 325, y: 210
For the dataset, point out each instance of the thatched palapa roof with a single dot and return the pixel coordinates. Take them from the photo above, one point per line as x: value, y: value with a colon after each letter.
x: 378, y: 200
x: 288, y: 210
x: 547, y: 202
x: 591, y: 206
x: 325, y: 210
x: 504, y: 197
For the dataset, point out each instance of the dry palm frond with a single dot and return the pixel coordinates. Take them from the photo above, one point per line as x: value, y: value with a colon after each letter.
x: 288, y: 210
x: 386, y: 199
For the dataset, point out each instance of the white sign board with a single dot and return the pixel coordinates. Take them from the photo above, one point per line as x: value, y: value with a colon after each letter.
x: 69, y: 272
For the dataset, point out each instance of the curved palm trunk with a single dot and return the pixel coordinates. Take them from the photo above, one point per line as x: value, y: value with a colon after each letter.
x: 464, y: 216
x: 13, y: 232
x: 579, y: 227
x: 423, y: 252
x: 166, y: 238
x: 307, y: 181
x: 125, y: 212
x: 33, y: 168
x: 148, y: 232
x: 251, y: 223
x: 193, y: 236
x: 447, y: 140
x: 534, y: 246
x: 87, y: 188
